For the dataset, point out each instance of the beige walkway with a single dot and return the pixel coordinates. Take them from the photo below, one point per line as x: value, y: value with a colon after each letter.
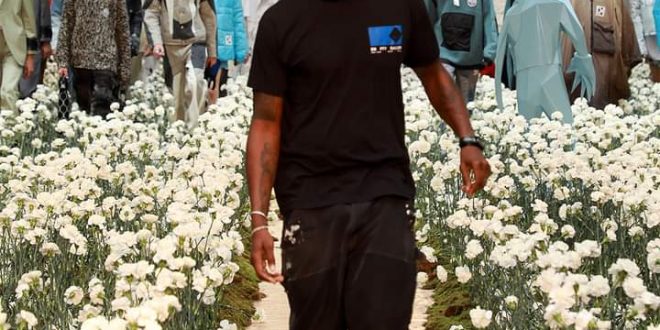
x: 276, y: 308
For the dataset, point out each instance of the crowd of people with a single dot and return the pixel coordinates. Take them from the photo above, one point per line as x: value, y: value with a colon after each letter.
x: 102, y: 47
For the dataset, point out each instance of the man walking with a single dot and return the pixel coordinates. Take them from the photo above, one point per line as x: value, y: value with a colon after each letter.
x: 93, y: 40
x: 135, y: 18
x: 328, y: 134
x: 18, y: 44
x: 185, y: 30
x: 466, y: 31
x: 28, y: 85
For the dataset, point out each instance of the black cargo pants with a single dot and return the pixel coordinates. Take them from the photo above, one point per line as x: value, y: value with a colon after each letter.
x: 350, y: 266
x: 96, y: 90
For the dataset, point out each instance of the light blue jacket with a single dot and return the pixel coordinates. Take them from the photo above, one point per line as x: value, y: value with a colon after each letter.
x: 233, y: 43
x: 466, y: 31
x: 656, y: 15
x: 56, y: 8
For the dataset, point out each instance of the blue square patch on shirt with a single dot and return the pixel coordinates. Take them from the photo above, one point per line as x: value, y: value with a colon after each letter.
x: 389, y: 35
x: 386, y: 39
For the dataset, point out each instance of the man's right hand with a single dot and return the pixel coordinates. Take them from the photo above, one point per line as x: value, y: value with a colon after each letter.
x: 159, y: 51
x: 63, y: 72
x: 263, y: 257
x: 28, y: 66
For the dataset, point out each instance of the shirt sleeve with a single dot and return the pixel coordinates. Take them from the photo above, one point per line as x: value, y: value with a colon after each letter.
x: 268, y: 72
x: 422, y: 47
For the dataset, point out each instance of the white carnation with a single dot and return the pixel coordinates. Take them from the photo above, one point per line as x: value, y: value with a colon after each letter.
x: 480, y: 318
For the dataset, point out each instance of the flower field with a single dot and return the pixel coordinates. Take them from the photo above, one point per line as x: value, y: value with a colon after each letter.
x: 131, y: 223
x: 566, y: 235
x: 137, y: 223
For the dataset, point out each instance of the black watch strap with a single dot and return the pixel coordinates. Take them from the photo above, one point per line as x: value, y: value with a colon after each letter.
x: 470, y: 141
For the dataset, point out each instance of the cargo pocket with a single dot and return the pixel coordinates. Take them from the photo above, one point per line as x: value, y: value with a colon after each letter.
x: 603, y: 38
x: 457, y: 31
x: 198, y: 55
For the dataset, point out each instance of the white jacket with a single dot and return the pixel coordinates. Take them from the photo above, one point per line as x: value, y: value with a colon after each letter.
x: 642, y: 16
x: 253, y: 11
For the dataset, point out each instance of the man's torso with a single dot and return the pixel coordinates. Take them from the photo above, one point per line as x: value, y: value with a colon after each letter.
x: 343, y: 123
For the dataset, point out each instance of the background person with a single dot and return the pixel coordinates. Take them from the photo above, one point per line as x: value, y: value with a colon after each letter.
x: 186, y: 33
x: 27, y: 86
x: 466, y: 31
x: 135, y: 19
x: 642, y: 16
x: 56, y: 7
x: 233, y: 44
x: 18, y: 44
x: 94, y: 41
x: 610, y: 36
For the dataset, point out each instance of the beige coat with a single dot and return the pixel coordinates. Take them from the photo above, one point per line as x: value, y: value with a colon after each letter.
x: 18, y: 25
x: 615, y: 49
x: 181, y: 23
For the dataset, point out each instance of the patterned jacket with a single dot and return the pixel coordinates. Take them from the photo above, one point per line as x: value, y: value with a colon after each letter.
x: 181, y: 22
x: 94, y: 35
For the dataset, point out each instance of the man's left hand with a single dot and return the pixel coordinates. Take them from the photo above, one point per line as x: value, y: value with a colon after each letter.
x: 211, y: 61
x: 474, y: 169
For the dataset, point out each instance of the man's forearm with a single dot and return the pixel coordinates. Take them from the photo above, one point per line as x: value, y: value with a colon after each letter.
x: 446, y: 98
x: 263, y: 150
x: 262, y: 153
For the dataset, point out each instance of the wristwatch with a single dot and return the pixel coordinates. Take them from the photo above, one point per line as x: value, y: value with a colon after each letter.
x: 470, y: 141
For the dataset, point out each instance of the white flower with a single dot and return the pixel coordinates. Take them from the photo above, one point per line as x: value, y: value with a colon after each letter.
x: 96, y: 292
x: 50, y: 250
x: 585, y: 321
x: 623, y: 268
x: 588, y: 249
x: 473, y: 249
x: 636, y: 231
x: 121, y: 304
x: 429, y: 253
x: 96, y: 220
x: 27, y: 319
x: 226, y: 325
x: 598, y: 286
x: 87, y: 312
x: 101, y: 323
x: 141, y: 317
x: 511, y: 302
x: 649, y: 300
x: 74, y: 295
x: 563, y: 296
x: 138, y: 271
x: 567, y: 231
x: 557, y: 318
x: 441, y: 273
x: 3, y: 320
x: 463, y: 274
x: 480, y: 318
x: 422, y: 278
x: 549, y: 279
x: 634, y: 287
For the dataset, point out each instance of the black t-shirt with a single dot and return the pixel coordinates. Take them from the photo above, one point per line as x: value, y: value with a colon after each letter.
x: 337, y: 65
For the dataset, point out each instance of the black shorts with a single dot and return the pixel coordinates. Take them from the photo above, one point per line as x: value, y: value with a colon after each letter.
x: 350, y: 266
